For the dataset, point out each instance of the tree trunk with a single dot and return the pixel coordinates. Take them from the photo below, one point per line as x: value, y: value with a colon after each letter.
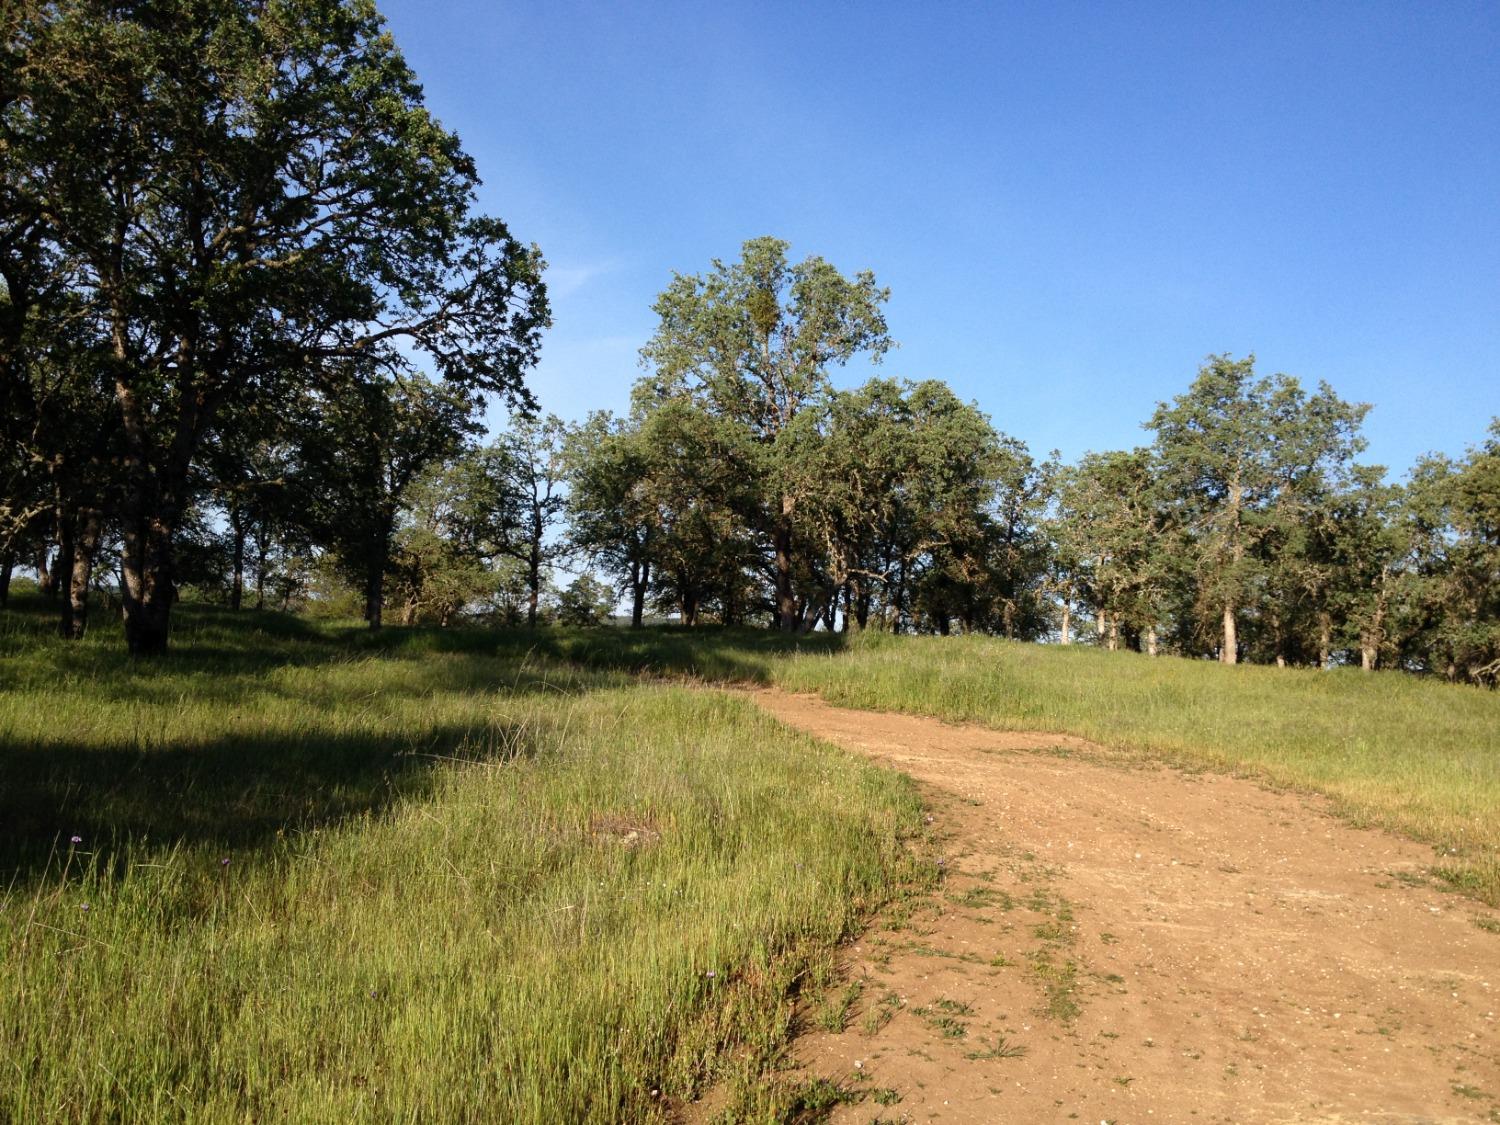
x: 1151, y: 640
x: 810, y: 614
x: 84, y: 542
x: 261, y: 551
x: 534, y: 569
x: 898, y: 598
x: 848, y: 606
x: 62, y: 568
x: 831, y: 613
x: 7, y: 564
x: 146, y: 571
x: 1369, y: 639
x: 639, y: 575
x: 786, y: 599
x: 731, y: 604
x: 62, y: 562
x: 43, y: 567
x: 237, y: 587
x: 374, y: 593
x: 151, y: 512
x: 1067, y: 621
x: 1113, y: 625
x: 1230, y: 652
x: 1325, y: 640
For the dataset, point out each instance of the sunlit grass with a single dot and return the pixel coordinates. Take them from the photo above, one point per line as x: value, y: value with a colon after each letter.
x: 415, y: 878
x: 1392, y: 750
x: 1410, y: 754
x: 494, y: 876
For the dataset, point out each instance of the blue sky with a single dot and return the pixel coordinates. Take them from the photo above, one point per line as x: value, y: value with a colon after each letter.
x: 1072, y: 204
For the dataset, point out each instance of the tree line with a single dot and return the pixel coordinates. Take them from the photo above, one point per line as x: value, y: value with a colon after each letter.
x: 250, y: 320
x: 745, y: 485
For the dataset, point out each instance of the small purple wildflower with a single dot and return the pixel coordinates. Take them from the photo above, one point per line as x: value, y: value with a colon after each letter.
x: 709, y: 973
x: 224, y: 862
x: 83, y: 906
x: 75, y: 839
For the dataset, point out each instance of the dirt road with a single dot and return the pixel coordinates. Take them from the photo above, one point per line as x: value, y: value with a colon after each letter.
x: 1121, y: 943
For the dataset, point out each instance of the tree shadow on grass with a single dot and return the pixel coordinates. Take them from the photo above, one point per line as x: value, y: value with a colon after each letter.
x: 236, y: 792
x: 245, y: 788
x: 715, y: 653
x: 214, y: 639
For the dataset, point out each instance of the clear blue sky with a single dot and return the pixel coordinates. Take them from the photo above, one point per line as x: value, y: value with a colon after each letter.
x: 1072, y: 204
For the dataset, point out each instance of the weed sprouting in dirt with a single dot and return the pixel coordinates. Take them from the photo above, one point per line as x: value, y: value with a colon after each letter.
x: 832, y: 1013
x: 1059, y: 982
x: 942, y: 1017
x: 1001, y: 1048
x: 880, y: 1013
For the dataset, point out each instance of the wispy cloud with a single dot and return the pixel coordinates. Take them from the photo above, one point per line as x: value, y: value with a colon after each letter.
x: 565, y: 280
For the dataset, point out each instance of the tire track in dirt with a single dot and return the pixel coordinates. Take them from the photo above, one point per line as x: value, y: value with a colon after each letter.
x: 1114, y: 942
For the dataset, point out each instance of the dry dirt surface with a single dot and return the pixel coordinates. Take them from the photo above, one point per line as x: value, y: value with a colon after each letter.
x: 1126, y: 943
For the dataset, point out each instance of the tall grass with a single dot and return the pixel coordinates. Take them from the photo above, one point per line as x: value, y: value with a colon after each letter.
x: 421, y: 875
x: 424, y: 877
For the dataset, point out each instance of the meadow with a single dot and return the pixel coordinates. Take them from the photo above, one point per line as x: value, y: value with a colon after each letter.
x: 301, y: 871
x: 1416, y: 756
x: 295, y: 872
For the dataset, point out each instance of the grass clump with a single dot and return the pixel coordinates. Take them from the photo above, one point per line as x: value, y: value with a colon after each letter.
x: 324, y: 878
x: 833, y: 1011
x: 1001, y: 1049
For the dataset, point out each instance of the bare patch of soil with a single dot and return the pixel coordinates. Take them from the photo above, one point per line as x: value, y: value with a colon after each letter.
x: 1118, y: 943
x: 627, y: 831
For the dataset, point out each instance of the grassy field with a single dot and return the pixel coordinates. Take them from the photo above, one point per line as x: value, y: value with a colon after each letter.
x: 301, y: 873
x: 1412, y: 755
x: 322, y: 874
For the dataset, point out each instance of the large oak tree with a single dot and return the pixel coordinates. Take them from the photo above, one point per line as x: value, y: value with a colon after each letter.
x: 246, y: 190
x: 753, y: 343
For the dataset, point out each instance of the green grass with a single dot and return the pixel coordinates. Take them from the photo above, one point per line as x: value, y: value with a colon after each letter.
x: 482, y: 876
x: 465, y: 881
x: 1392, y: 750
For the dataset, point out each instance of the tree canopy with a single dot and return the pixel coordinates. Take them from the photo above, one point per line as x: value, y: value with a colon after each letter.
x: 252, y: 321
x: 238, y: 198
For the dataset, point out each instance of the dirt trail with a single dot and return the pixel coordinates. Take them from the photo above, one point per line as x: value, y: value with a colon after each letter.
x: 1126, y: 944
